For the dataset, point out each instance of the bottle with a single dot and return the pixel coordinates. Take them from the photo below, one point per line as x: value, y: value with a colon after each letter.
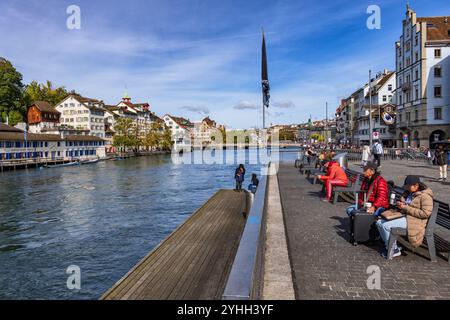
x: 392, y: 200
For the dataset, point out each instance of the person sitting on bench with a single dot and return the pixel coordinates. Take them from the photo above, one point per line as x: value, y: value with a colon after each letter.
x: 417, y: 205
x: 336, y: 176
x: 376, y: 188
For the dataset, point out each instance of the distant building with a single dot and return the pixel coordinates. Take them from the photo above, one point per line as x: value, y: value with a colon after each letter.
x: 18, y: 144
x: 41, y: 115
x: 83, y: 113
x: 182, y: 130
x: 423, y: 80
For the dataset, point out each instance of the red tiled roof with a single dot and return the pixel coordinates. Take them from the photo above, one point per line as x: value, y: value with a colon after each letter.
x: 438, y: 28
x: 44, y: 106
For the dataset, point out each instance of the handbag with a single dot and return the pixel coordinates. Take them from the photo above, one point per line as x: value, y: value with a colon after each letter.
x: 392, y: 214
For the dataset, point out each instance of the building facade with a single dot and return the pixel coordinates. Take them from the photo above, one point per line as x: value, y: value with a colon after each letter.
x: 83, y: 113
x: 41, y: 116
x: 182, y: 131
x: 423, y: 80
x: 17, y: 144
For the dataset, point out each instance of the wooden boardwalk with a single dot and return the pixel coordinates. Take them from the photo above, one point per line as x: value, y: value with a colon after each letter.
x: 195, y: 260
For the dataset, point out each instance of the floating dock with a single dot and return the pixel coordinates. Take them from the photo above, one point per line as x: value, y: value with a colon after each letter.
x: 195, y: 260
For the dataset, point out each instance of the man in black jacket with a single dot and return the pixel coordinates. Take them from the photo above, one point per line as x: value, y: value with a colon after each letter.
x: 441, y: 160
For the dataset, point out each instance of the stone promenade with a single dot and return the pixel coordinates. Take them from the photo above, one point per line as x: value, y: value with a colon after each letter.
x: 326, y: 266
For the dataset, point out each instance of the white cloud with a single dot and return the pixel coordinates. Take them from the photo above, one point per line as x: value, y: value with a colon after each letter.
x: 246, y: 105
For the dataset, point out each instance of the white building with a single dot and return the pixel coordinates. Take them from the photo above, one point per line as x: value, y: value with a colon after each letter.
x: 182, y: 131
x: 17, y: 144
x: 382, y: 101
x: 423, y: 80
x: 83, y: 113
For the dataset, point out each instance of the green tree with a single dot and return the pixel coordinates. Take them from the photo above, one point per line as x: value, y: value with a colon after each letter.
x: 318, y: 137
x: 44, y: 92
x: 166, y: 142
x: 124, y: 137
x: 11, y: 87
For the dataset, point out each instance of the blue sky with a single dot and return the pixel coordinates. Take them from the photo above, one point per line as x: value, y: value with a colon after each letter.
x: 195, y: 58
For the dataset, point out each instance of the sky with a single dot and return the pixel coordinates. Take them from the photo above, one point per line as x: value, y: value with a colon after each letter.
x: 198, y: 58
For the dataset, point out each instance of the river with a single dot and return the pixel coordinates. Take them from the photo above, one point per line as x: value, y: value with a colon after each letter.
x: 102, y: 218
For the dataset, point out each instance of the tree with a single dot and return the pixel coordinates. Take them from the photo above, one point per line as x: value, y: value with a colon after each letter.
x: 11, y: 87
x: 44, y: 92
x: 152, y: 137
x: 166, y: 140
x: 125, y: 136
x: 318, y: 137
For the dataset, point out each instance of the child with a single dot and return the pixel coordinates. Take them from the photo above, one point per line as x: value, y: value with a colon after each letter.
x: 239, y: 177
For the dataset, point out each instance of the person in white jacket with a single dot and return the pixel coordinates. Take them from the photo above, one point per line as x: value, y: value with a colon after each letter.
x: 365, y: 155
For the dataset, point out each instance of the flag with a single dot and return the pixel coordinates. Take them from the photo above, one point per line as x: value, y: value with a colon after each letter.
x: 264, y: 74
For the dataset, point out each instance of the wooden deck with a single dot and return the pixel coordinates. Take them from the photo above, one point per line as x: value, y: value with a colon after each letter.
x: 195, y: 260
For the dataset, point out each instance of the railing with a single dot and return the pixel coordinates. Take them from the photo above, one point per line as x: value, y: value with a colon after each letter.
x: 245, y: 276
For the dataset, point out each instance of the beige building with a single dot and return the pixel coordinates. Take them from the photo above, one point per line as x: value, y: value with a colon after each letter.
x: 423, y: 80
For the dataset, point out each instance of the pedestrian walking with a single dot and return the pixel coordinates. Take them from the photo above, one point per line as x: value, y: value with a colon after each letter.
x: 377, y: 151
x: 441, y: 160
x: 365, y: 155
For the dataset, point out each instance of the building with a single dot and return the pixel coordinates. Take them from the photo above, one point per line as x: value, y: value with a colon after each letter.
x: 423, y: 80
x: 381, y: 102
x: 18, y: 144
x: 41, y: 115
x: 83, y: 113
x: 204, y: 131
x: 182, y: 131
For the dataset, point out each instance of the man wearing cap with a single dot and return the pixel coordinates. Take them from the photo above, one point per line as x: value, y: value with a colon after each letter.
x: 376, y: 191
x: 417, y: 205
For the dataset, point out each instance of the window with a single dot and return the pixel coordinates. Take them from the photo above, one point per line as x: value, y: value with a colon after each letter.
x: 437, y: 113
x: 416, y: 40
x: 416, y: 74
x: 417, y: 56
x: 416, y: 92
x: 408, y: 61
x: 390, y: 87
x: 408, y: 117
x: 437, y: 53
x: 437, y: 72
x: 400, y: 99
x: 437, y: 92
x: 408, y: 46
x: 400, y: 117
x: 384, y: 98
x: 416, y: 115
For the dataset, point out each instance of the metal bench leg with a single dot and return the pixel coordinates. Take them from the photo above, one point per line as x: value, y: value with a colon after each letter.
x: 390, y: 248
x: 335, y: 197
x: 431, y: 248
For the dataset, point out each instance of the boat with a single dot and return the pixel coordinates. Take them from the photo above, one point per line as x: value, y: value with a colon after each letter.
x: 90, y: 161
x: 69, y: 164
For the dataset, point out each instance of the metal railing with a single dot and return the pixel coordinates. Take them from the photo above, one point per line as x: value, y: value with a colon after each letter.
x: 245, y: 277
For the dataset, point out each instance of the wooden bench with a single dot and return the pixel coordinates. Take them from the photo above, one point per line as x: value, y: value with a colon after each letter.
x: 353, y: 187
x: 439, y: 216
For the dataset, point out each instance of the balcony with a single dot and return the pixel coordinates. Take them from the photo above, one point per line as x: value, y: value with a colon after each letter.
x: 406, y: 86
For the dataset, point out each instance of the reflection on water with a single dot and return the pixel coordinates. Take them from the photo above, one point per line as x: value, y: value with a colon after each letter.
x: 102, y: 217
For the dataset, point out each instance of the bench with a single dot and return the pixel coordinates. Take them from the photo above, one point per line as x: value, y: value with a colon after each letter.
x: 303, y: 168
x: 439, y: 216
x: 353, y: 187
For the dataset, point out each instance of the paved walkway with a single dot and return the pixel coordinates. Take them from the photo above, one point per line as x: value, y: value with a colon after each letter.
x: 326, y: 266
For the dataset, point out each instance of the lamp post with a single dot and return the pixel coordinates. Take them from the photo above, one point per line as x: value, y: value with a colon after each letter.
x: 370, y: 108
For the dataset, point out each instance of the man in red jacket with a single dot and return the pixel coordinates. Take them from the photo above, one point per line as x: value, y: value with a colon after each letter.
x: 375, y: 189
x: 335, y: 177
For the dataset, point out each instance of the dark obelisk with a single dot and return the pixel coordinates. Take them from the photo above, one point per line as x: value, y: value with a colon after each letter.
x: 265, y: 80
